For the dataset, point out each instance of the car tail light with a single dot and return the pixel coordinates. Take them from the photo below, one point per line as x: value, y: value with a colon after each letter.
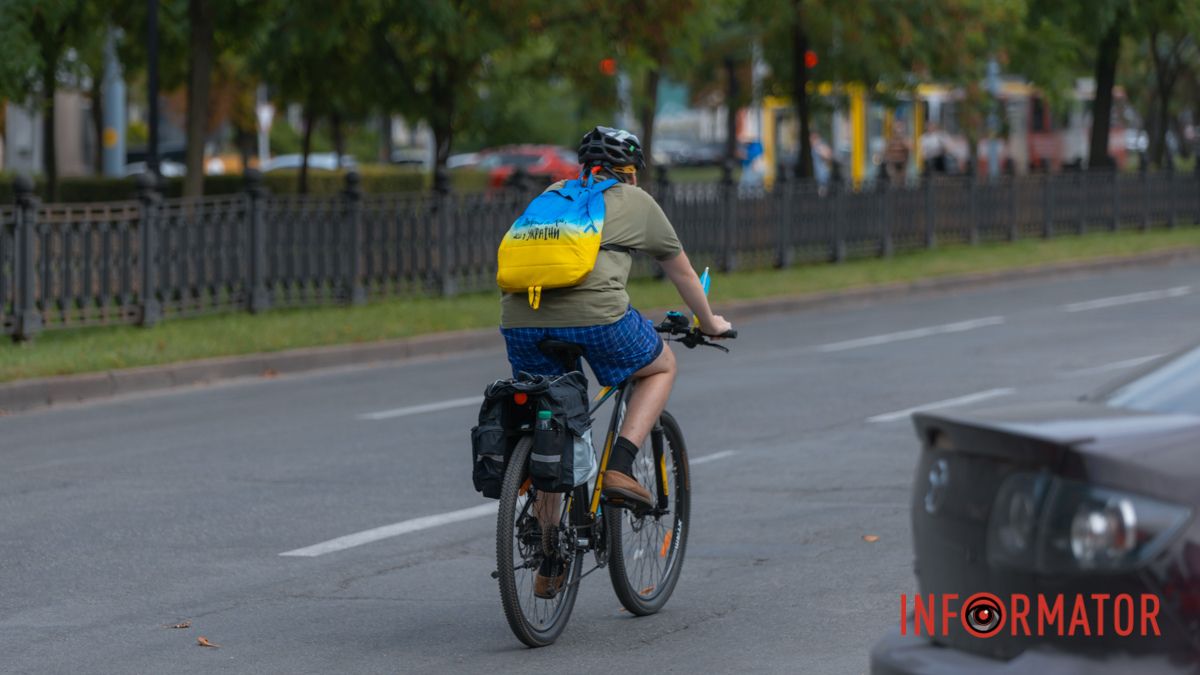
x: 1046, y: 524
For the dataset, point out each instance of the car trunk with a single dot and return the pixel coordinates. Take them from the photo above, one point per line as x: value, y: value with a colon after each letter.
x: 964, y: 462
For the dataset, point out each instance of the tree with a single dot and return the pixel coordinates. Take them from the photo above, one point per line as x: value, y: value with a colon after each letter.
x: 42, y: 31
x: 316, y: 55
x: 1169, y: 27
x: 662, y: 38
x: 433, y: 53
x: 877, y: 42
x: 201, y: 25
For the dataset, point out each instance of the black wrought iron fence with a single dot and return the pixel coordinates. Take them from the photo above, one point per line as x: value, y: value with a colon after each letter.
x: 140, y: 261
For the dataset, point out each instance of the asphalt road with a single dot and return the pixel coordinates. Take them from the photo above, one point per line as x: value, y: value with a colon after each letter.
x: 122, y: 517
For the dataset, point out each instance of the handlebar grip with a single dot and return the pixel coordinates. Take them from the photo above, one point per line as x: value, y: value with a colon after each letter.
x: 731, y: 333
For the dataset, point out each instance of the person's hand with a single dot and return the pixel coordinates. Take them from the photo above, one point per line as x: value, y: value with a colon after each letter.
x: 716, y: 327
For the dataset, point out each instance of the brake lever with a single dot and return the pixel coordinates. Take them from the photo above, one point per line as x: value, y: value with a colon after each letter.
x: 717, y: 346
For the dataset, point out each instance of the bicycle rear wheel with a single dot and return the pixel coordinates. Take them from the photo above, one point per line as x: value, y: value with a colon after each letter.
x: 646, y: 552
x: 521, y: 549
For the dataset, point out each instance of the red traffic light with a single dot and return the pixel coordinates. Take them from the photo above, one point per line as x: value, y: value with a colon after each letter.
x: 608, y: 66
x: 810, y: 59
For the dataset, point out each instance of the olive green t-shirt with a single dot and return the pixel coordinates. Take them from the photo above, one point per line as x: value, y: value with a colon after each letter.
x: 633, y: 220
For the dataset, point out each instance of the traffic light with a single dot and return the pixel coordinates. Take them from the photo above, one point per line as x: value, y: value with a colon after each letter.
x: 810, y: 59
x: 608, y: 66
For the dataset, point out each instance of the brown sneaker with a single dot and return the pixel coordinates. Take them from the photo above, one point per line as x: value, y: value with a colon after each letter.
x: 546, y: 587
x: 623, y: 489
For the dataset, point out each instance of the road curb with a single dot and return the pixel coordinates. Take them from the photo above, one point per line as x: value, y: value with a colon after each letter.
x: 26, y: 395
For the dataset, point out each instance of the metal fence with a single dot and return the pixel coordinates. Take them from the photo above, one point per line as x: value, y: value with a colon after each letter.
x: 140, y: 261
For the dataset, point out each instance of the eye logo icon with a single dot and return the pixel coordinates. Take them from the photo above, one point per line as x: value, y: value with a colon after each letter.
x: 982, y: 615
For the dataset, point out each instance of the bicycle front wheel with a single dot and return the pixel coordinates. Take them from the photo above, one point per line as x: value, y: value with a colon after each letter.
x: 646, y: 551
x: 527, y: 543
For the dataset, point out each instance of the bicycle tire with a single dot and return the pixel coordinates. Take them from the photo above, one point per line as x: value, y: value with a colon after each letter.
x: 636, y: 595
x: 530, y: 630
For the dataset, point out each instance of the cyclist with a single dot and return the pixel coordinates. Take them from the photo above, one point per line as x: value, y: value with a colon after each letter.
x: 618, y: 342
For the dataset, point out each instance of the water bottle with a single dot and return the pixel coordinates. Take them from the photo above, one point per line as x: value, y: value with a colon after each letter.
x: 544, y: 422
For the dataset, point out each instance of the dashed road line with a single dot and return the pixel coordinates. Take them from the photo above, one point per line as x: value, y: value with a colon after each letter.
x: 423, y: 408
x: 947, y: 403
x: 873, y: 340
x: 1117, y: 300
x: 428, y: 522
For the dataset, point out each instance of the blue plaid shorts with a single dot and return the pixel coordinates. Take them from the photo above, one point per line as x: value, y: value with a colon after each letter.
x: 614, y: 351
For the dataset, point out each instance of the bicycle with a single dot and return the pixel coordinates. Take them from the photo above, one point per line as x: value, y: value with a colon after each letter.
x: 643, y: 548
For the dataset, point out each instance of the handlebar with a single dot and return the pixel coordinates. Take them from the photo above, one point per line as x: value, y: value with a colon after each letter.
x: 689, y: 336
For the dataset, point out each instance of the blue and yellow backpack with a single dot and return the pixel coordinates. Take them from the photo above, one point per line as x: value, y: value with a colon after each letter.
x: 555, y: 242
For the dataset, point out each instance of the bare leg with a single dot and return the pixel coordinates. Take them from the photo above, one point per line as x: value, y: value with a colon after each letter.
x: 548, y: 508
x: 649, y: 397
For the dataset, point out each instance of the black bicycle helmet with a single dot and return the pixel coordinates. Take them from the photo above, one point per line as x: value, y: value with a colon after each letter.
x: 605, y: 146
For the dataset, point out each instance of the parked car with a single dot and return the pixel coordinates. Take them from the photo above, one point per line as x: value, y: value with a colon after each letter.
x: 463, y: 160
x: 1077, y: 499
x: 411, y: 157
x: 321, y: 161
x: 544, y: 162
x: 166, y: 169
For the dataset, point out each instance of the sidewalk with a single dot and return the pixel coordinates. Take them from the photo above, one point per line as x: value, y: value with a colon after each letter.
x: 24, y: 395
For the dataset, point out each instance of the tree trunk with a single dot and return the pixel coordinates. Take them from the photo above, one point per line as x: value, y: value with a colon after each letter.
x: 245, y: 141
x: 49, y: 160
x: 1159, y: 154
x: 1106, y: 74
x: 305, y: 148
x: 200, y: 63
x: 387, y: 143
x: 804, y: 163
x: 98, y: 123
x: 647, y: 111
x: 1166, y: 72
x: 442, y: 94
x: 731, y: 95
x: 339, y: 139
x: 443, y: 136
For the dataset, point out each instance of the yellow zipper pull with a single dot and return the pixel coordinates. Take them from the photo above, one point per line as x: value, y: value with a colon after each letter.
x: 535, y: 296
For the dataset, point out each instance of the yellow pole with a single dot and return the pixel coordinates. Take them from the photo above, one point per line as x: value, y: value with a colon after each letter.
x: 858, y: 133
x: 769, y: 105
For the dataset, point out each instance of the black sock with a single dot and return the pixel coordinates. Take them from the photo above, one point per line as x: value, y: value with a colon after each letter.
x: 621, y: 457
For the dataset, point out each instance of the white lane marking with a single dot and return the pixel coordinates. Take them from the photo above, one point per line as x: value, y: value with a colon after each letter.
x: 950, y: 402
x: 1115, y: 365
x: 393, y: 530
x: 428, y: 522
x: 712, y: 457
x: 913, y: 334
x: 1114, y: 301
x: 423, y: 408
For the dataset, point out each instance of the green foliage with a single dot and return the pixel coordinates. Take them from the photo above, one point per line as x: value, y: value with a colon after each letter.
x: 21, y: 57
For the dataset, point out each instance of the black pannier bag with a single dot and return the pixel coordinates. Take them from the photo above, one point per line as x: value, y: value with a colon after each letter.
x: 557, y: 462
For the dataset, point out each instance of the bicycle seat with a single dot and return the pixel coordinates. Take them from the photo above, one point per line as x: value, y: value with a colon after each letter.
x: 565, y: 353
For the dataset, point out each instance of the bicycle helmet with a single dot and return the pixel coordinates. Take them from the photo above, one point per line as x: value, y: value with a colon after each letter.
x: 605, y: 146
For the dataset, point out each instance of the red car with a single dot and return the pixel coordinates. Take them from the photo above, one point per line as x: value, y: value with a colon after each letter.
x: 546, y: 163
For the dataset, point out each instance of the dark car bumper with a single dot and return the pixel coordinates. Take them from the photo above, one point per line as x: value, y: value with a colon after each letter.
x: 898, y: 654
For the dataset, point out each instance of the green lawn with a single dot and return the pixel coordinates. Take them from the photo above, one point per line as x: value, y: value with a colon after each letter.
x: 96, y: 349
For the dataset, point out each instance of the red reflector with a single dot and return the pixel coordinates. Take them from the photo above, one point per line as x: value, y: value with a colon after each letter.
x: 520, y: 398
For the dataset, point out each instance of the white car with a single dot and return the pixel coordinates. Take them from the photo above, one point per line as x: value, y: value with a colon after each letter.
x: 324, y: 161
x: 166, y: 169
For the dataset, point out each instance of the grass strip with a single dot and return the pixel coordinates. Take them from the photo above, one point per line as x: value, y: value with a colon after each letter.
x: 105, y: 348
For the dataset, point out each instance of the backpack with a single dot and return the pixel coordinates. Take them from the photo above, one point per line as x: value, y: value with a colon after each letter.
x: 555, y: 242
